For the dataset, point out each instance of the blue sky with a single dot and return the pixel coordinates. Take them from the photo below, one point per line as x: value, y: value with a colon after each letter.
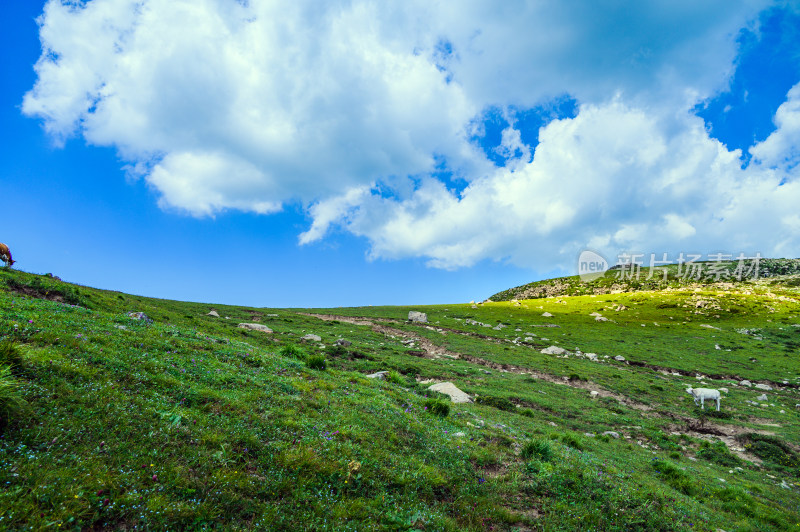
x: 245, y: 153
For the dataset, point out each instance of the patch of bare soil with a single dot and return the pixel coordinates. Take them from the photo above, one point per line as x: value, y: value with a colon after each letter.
x: 433, y: 351
x: 49, y: 295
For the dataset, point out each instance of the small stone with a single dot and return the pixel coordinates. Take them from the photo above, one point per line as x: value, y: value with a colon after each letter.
x: 213, y: 314
x: 745, y: 383
x: 547, y: 315
x: 619, y: 358
x: 140, y: 316
x: 255, y: 327
x: 612, y: 434
x: 417, y: 317
x: 380, y: 375
x: 765, y: 387
x: 311, y: 338
x: 343, y: 343
x: 553, y: 350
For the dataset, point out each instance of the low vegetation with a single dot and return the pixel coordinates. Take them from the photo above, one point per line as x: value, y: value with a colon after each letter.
x: 181, y: 420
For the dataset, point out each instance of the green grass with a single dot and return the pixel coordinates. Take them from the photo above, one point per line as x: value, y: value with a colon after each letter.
x: 190, y: 422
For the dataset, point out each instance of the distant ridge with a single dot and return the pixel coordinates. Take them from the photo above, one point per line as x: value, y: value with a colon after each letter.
x: 617, y: 279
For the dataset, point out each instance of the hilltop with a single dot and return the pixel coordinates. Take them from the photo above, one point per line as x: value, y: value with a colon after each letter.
x: 127, y: 412
x: 702, y: 274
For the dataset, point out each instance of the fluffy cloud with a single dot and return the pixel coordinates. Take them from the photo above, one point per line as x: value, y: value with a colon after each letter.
x: 352, y: 108
x: 613, y: 178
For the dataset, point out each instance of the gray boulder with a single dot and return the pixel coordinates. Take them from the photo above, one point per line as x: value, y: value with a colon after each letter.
x: 213, y: 314
x: 255, y: 327
x: 380, y: 375
x: 612, y: 434
x: 619, y: 358
x: 417, y: 317
x: 448, y: 388
x: 765, y: 387
x: 312, y: 338
x: 343, y: 343
x: 762, y: 397
x: 554, y: 350
x: 140, y: 316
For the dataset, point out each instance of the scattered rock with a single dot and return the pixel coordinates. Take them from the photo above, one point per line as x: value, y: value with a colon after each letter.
x: 312, y: 338
x: 595, y: 314
x: 448, y: 388
x: 594, y: 393
x: 547, y: 315
x: 611, y: 433
x: 746, y: 383
x: 380, y: 375
x: 707, y: 326
x: 213, y: 314
x: 458, y: 434
x: 140, y: 316
x: 601, y: 318
x: 417, y: 317
x: 588, y: 434
x: 765, y: 387
x: 762, y: 397
x: 619, y: 358
x: 552, y: 424
x: 553, y: 350
x: 343, y: 343
x: 255, y: 327
x: 592, y: 356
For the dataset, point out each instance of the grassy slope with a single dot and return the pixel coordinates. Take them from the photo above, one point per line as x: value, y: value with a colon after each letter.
x: 190, y: 422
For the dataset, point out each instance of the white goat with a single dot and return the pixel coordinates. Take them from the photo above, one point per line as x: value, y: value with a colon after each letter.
x: 702, y: 394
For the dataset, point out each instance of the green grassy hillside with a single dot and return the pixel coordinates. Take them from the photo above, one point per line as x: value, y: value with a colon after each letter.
x: 190, y: 422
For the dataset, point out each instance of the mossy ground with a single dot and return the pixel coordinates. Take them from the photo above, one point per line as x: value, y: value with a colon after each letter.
x: 190, y: 422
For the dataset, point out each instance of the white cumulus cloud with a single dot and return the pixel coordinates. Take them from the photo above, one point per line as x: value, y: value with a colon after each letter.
x: 354, y: 108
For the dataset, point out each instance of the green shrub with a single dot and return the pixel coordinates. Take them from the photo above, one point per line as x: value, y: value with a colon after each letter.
x: 496, y: 402
x: 292, y: 351
x: 11, y: 355
x: 772, y: 450
x: 718, y: 453
x: 675, y: 477
x: 538, y: 449
x: 437, y: 408
x: 11, y: 400
x: 395, y: 378
x: 316, y: 362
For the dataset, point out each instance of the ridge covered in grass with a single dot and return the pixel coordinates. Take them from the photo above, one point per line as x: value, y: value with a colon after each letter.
x: 190, y: 422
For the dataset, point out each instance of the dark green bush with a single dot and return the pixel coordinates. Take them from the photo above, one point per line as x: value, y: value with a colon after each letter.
x: 772, y: 450
x: 538, y: 449
x: 496, y: 402
x: 292, y: 351
x: 11, y: 355
x: 316, y: 362
x: 437, y: 408
x: 675, y: 477
x: 718, y: 453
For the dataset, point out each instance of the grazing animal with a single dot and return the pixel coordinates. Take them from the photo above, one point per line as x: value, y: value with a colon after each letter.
x: 702, y: 394
x: 5, y: 255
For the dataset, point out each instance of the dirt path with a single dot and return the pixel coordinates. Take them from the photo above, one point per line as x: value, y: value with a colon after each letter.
x: 681, y: 424
x: 432, y: 351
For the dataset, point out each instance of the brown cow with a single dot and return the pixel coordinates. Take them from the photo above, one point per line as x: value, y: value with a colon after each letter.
x: 5, y: 255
